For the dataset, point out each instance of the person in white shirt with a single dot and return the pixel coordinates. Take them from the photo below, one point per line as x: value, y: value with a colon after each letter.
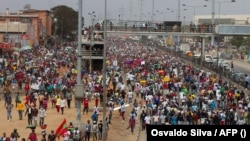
x: 62, y: 104
x: 123, y: 109
x: 66, y: 136
x: 130, y: 96
x: 42, y: 114
x: 147, y: 119
x: 162, y: 119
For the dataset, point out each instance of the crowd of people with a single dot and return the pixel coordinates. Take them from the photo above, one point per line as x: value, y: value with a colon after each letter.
x: 175, y: 92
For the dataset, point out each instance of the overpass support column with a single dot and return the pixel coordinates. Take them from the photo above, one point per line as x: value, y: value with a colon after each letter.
x: 202, y: 50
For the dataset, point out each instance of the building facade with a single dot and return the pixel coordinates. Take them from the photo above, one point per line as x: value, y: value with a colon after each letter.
x: 25, y: 27
x: 222, y: 19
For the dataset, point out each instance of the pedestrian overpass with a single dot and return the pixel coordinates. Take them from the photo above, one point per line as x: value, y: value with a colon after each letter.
x: 223, y: 29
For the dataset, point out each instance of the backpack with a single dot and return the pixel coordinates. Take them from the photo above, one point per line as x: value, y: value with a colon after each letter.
x: 231, y: 115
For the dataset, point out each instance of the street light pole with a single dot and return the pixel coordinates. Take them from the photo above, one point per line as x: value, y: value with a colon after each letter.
x: 104, y: 74
x: 79, y: 94
x: 213, y: 14
x: 153, y: 10
x: 179, y: 10
x: 194, y: 7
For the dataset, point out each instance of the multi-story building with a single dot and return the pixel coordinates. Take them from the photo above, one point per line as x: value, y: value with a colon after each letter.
x: 92, y: 50
x: 25, y: 27
x: 222, y: 19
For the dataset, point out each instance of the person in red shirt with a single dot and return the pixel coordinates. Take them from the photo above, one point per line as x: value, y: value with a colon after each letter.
x: 27, y: 99
x: 85, y: 106
x: 230, y: 96
x: 96, y: 101
x: 27, y: 88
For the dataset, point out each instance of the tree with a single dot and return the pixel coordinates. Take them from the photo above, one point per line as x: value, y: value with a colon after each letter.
x: 65, y: 22
x: 237, y: 41
x: 247, y: 43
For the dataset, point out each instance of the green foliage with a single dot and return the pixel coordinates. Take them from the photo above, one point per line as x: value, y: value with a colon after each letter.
x: 65, y: 22
x: 237, y: 41
x: 247, y: 43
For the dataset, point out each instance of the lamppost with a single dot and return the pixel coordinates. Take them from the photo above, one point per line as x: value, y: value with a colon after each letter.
x: 153, y: 10
x: 92, y: 39
x: 179, y: 10
x: 194, y: 7
x: 212, y: 19
x: 119, y: 20
x: 219, y: 8
x: 104, y: 74
x: 79, y: 90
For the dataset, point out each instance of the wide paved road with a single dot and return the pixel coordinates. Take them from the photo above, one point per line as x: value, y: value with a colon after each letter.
x: 241, y: 66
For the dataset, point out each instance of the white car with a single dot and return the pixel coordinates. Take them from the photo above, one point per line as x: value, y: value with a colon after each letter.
x: 215, y: 60
x: 225, y: 64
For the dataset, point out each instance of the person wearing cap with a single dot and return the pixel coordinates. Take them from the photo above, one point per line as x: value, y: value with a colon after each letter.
x: 94, y: 130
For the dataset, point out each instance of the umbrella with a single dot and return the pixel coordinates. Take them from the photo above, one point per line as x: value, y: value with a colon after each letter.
x: 32, y: 127
x: 25, y: 48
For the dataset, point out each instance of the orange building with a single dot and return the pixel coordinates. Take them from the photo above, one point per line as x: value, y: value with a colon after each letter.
x: 25, y: 27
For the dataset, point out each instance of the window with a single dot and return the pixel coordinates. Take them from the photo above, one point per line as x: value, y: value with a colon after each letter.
x: 26, y: 20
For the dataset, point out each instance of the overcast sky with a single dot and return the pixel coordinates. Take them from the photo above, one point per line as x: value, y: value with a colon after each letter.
x: 132, y: 9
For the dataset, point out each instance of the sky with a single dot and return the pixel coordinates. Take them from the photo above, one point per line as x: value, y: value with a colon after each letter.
x: 136, y: 10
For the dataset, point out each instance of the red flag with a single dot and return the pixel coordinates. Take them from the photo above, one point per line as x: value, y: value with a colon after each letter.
x: 60, y: 128
x: 64, y: 130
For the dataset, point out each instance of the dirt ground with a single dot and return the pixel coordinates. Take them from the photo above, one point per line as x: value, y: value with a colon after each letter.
x: 53, y: 119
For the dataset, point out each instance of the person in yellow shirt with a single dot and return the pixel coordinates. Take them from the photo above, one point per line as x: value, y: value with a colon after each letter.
x: 237, y: 95
x: 20, y: 109
x: 58, y: 101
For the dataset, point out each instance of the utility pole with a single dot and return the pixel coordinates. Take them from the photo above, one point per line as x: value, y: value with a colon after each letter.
x: 130, y: 10
x: 213, y: 14
x: 153, y: 10
x: 179, y: 10
x: 79, y: 90
x: 104, y: 75
x: 140, y: 12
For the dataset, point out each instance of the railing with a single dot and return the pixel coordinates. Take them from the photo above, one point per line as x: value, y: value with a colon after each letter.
x: 185, y: 28
x: 94, y: 53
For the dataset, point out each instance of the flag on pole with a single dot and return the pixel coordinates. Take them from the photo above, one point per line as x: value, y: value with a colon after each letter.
x: 60, y: 128
x: 64, y: 130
